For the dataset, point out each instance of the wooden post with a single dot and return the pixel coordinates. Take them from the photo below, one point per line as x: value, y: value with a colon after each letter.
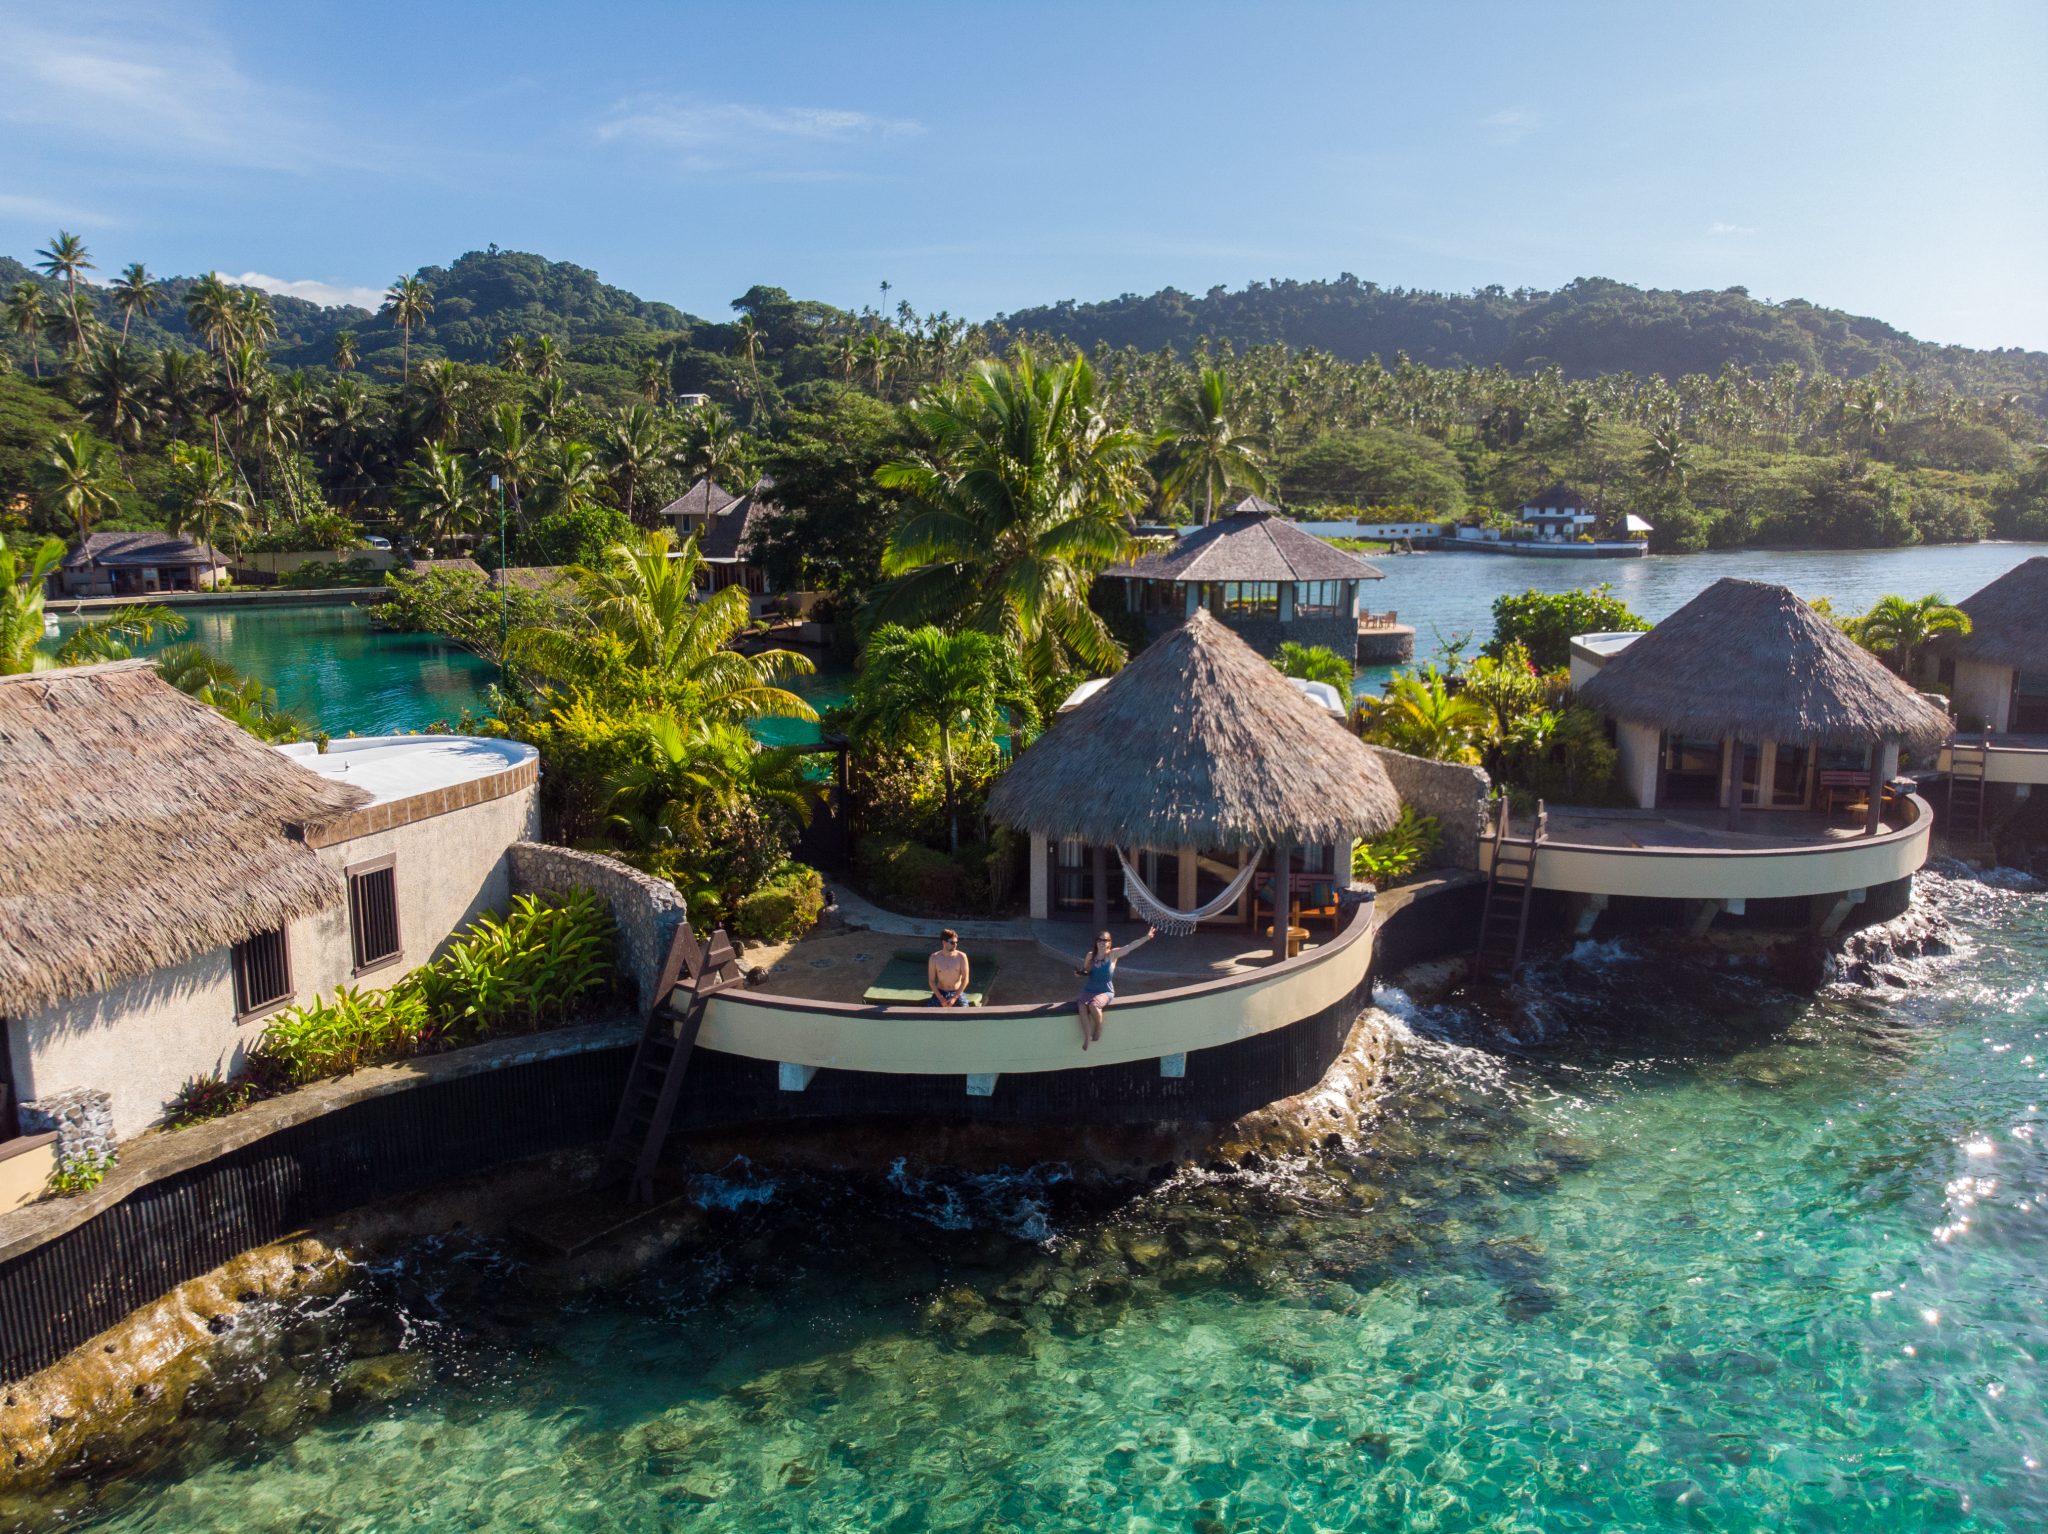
x: 1098, y: 865
x: 1874, y: 817
x: 1283, y: 857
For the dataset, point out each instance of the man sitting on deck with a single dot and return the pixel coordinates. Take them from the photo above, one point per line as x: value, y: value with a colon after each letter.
x: 947, y: 972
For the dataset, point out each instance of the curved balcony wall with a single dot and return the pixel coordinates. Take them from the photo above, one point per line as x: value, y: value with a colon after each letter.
x: 1734, y: 873
x: 1011, y: 1040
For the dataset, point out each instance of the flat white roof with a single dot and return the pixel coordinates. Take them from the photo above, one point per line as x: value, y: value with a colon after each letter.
x: 1606, y: 646
x: 393, y: 767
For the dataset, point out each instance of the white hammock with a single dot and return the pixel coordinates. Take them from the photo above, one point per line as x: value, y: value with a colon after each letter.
x: 1165, y: 917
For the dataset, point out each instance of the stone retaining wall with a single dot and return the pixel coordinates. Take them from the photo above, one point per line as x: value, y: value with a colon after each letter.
x: 647, y: 910
x: 81, y: 1119
x: 1455, y: 794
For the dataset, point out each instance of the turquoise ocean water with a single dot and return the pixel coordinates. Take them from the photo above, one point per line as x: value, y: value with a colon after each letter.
x: 1653, y: 1247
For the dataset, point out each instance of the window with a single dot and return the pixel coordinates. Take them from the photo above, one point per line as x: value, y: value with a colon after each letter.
x: 373, y: 912
x: 1244, y: 599
x: 1692, y: 771
x: 1321, y: 599
x: 263, y: 972
x: 1789, y: 777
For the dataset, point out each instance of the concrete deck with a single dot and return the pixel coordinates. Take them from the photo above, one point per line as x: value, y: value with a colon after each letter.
x: 1704, y: 830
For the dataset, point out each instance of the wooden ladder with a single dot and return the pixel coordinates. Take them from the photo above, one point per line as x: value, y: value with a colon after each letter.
x: 1966, y: 788
x: 691, y: 976
x: 1504, y: 923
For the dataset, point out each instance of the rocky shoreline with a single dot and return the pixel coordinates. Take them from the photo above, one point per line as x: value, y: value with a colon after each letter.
x: 267, y: 1341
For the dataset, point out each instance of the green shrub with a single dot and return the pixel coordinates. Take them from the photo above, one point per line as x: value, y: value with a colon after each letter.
x: 786, y: 906
x: 544, y: 960
x: 317, y: 573
x: 79, y: 1174
x: 536, y: 964
x: 207, y: 1097
x: 1398, y: 851
x: 907, y: 877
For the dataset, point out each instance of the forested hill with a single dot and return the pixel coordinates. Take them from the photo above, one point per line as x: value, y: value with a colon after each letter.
x: 1590, y: 327
x: 480, y: 300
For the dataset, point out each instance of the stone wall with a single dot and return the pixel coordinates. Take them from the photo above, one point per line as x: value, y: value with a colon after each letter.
x: 1455, y: 794
x: 82, y: 1120
x: 647, y: 910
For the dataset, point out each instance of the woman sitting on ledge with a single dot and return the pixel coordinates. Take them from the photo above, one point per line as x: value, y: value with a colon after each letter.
x: 1098, y: 987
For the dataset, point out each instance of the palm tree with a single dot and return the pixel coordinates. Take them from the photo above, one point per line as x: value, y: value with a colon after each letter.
x: 1423, y: 717
x: 566, y: 476
x: 440, y: 387
x: 924, y: 682
x: 210, y: 312
x: 641, y: 637
x: 1665, y: 459
x: 1898, y: 629
x: 1025, y: 492
x: 653, y: 379
x: 77, y: 480
x: 205, y: 493
x: 117, y: 396
x: 26, y: 315
x: 66, y: 257
x: 408, y: 301
x: 1315, y: 663
x: 508, y: 450
x: 1206, y: 445
x: 24, y: 575
x: 246, y: 701
x: 344, y: 350
x: 717, y: 452
x: 180, y: 387
x: 135, y: 293
x: 545, y: 353
x: 632, y: 447
x: 438, y: 497
x: 512, y: 354
x: 846, y: 355
x: 551, y: 399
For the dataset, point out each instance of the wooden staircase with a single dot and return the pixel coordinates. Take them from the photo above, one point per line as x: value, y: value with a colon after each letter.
x: 1504, y: 923
x: 1965, y: 813
x: 691, y: 975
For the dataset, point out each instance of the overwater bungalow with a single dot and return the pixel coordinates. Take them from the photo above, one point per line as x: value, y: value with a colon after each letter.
x: 1263, y: 577
x: 167, y: 881
x: 1758, y: 745
x: 1197, y: 776
x: 1997, y: 677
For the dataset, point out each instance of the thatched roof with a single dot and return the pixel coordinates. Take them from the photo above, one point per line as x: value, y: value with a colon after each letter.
x: 1751, y: 660
x: 142, y: 829
x: 1250, y: 546
x: 1199, y: 741
x: 2008, y: 620
x: 1558, y: 497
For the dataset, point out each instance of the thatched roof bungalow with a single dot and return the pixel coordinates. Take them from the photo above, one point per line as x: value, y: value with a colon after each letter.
x: 143, y: 830
x: 1198, y: 746
x: 1998, y: 672
x: 1263, y: 576
x: 167, y: 880
x: 1748, y: 698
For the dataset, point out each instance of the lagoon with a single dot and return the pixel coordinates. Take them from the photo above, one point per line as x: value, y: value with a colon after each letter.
x: 330, y: 664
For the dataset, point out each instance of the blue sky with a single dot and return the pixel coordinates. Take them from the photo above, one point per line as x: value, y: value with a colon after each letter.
x: 1889, y: 159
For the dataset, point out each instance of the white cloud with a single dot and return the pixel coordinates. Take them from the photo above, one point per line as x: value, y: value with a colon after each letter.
x: 1512, y: 124
x: 1725, y: 230
x: 154, y: 83
x: 329, y: 294
x: 718, y: 135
